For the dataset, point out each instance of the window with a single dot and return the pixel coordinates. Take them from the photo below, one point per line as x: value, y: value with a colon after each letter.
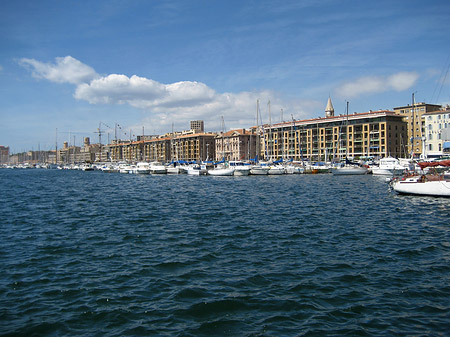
x: 430, y: 127
x: 430, y: 147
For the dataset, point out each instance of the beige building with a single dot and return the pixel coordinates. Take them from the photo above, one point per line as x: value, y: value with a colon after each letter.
x: 372, y: 134
x: 436, y: 140
x: 188, y: 147
x: 237, y: 144
x: 412, y: 115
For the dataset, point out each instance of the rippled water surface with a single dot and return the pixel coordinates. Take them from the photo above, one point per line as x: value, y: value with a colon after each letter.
x: 89, y: 253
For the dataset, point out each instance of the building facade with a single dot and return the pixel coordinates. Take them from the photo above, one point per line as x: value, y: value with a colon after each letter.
x: 436, y: 139
x: 188, y: 147
x: 234, y: 145
x: 412, y: 115
x: 372, y: 134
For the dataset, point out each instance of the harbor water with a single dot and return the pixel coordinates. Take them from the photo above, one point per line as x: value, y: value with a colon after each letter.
x: 96, y: 254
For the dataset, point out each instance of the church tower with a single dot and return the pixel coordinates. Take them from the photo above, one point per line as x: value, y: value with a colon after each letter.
x: 329, y: 110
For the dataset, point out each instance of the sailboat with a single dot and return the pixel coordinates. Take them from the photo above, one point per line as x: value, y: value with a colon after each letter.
x: 221, y: 168
x: 349, y: 168
x: 257, y: 168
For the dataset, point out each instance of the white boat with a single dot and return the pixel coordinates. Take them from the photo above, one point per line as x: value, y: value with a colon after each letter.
x: 173, y: 169
x: 349, y: 170
x: 240, y: 168
x: 259, y: 170
x: 294, y: 169
x: 125, y: 168
x: 87, y: 167
x: 431, y: 185
x: 276, y: 170
x: 225, y: 171
x: 197, y: 170
x: 157, y: 168
x: 109, y: 169
x: 389, y: 167
x: 142, y: 168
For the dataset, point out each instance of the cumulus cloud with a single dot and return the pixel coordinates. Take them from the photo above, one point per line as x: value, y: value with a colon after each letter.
x: 64, y: 70
x: 162, y: 103
x: 376, y: 84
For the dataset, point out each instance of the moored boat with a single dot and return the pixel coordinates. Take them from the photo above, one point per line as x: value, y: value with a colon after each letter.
x: 389, y: 166
x: 349, y: 170
x: 157, y: 168
x: 142, y: 168
x: 429, y: 185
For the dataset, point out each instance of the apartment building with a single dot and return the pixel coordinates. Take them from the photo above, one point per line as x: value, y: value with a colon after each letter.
x: 412, y: 115
x: 372, y: 134
x: 436, y: 140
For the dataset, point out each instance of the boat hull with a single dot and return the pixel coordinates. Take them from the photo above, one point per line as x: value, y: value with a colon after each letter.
x: 415, y: 186
x: 259, y: 171
x: 349, y: 171
x: 221, y: 172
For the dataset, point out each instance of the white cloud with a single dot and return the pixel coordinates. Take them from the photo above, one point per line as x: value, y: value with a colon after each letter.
x: 119, y: 89
x: 164, y: 104
x: 376, y: 84
x: 64, y: 70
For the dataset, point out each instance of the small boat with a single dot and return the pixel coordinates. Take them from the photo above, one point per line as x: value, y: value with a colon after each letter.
x: 125, y: 168
x: 349, y: 170
x: 221, y: 171
x: 240, y: 168
x: 197, y: 170
x: 157, y: 168
x: 259, y: 170
x: 389, y: 167
x: 294, y: 169
x: 430, y: 185
x: 276, y: 170
x: 142, y: 168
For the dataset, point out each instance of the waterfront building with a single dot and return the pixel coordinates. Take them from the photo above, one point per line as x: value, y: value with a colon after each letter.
x: 188, y: 147
x: 412, y: 115
x: 4, y: 154
x: 371, y: 134
x: 237, y: 144
x: 436, y: 136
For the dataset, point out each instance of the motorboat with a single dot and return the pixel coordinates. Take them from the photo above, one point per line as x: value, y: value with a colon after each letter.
x: 349, y: 170
x: 157, y: 168
x: 430, y: 185
x: 259, y: 170
x: 389, y: 167
x: 125, y: 168
x: 143, y: 168
x: 197, y: 170
x: 294, y: 169
x: 240, y: 168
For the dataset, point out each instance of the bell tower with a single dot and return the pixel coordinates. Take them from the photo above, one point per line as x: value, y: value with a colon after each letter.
x: 329, y: 110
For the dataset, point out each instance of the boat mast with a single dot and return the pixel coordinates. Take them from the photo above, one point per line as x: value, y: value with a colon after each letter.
x: 258, y: 135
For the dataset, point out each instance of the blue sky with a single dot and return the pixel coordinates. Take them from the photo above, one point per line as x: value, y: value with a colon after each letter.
x: 71, y: 65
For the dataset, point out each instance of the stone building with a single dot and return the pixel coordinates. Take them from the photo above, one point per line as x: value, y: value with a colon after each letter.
x: 237, y: 144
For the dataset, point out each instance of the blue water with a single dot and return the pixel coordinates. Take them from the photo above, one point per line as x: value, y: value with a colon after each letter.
x: 95, y: 254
